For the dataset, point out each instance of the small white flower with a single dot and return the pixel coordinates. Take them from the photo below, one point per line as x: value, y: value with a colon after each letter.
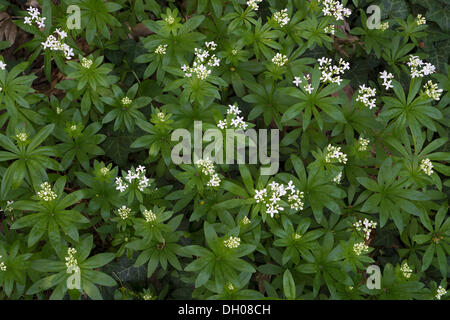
x: 308, y: 88
x: 440, y: 292
x: 359, y: 248
x: 280, y: 59
x: 232, y: 242
x: 2, y: 65
x: 169, y: 19
x: 383, y: 26
x: 432, y: 90
x: 46, y: 193
x: 420, y: 20
x: 363, y: 144
x: 282, y: 17
x: 387, y: 79
x: 414, y: 64
x: 253, y: 4
x: 124, y: 212
x: 335, y: 9
x: 338, y: 178
x: 149, y: 216
x: 406, y: 270
x: 426, y: 166
x: 334, y: 154
x: 126, y: 101
x: 161, y: 49
x: 366, y: 96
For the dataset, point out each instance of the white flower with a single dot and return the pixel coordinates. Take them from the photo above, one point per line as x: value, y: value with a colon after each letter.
x: 281, y: 17
x: 335, y: 9
x: 365, y: 226
x: 235, y: 121
x: 331, y: 73
x: 414, y: 64
x: 383, y: 26
x: 34, y: 16
x: 338, y: 178
x: 280, y: 59
x: 297, y: 81
x: 169, y: 19
x: 121, y: 186
x: 426, y: 166
x: 245, y: 220
x: 387, y: 79
x: 363, y: 144
x: 272, y: 197
x: 124, y: 212
x: 211, y: 45
x: 71, y: 261
x: 254, y: 4
x: 22, y: 136
x: 86, y: 63
x: 104, y: 171
x: 359, y: 248
x: 126, y: 101
x: 161, y: 49
x: 232, y: 242
x: 308, y: 88
x: 2, y: 65
x: 432, y: 90
x: 334, y: 153
x: 61, y: 33
x: 201, y: 58
x: 420, y: 20
x: 207, y: 168
x: 56, y: 45
x: 149, y: 215
x: 440, y: 292
x: 2, y: 265
x: 329, y: 29
x: 406, y: 270
x: 366, y: 96
x: 46, y: 193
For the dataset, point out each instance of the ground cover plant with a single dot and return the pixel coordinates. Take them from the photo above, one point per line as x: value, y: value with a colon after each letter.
x: 94, y: 206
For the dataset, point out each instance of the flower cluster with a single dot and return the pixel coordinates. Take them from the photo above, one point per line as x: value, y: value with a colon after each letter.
x: 230, y: 286
x: 161, y: 49
x: 46, y: 193
x: 124, y: 212
x: 432, y: 90
x: 414, y: 64
x: 2, y: 265
x: 426, y: 166
x: 71, y: 261
x: 359, y: 248
x: 34, y: 16
x: 280, y: 59
x: 8, y: 207
x: 253, y: 4
x: 338, y: 178
x: 233, y: 121
x: 207, y: 168
x: 56, y: 44
x: 363, y: 144
x: 22, y: 136
x: 387, y: 79
x: 440, y: 292
x: 272, y: 197
x: 331, y: 73
x: 232, y: 242
x: 104, y: 171
x: 86, y: 63
x: 406, y: 270
x: 335, y: 153
x: 126, y: 101
x: 201, y: 62
x: 245, y: 220
x: 132, y: 177
x: 420, y: 20
x: 365, y: 226
x: 331, y: 29
x: 383, y: 26
x: 366, y: 96
x: 147, y: 296
x: 149, y: 215
x: 282, y: 17
x: 334, y: 8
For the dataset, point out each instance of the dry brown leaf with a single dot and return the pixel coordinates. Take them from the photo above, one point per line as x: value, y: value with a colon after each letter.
x: 8, y: 30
